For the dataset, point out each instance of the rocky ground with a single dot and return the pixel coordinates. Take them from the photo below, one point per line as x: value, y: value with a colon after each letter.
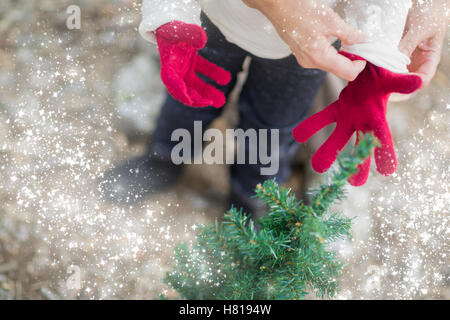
x: 74, y: 102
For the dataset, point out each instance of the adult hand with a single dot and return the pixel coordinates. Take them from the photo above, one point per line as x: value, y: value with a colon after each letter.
x: 306, y: 27
x: 424, y: 35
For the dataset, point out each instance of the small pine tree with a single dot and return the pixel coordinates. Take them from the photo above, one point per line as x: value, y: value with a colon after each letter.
x: 284, y: 259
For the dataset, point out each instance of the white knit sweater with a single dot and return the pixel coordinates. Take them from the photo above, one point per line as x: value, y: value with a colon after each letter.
x: 382, y: 20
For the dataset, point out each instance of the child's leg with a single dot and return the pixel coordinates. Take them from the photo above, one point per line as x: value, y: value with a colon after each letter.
x: 277, y: 95
x: 175, y: 115
x: 154, y: 171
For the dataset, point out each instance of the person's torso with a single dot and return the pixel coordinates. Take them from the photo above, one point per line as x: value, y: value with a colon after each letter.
x: 246, y: 27
x: 251, y: 30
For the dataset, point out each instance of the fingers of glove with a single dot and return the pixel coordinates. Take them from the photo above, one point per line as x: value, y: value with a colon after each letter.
x: 175, y: 86
x: 197, y: 100
x: 385, y: 157
x: 183, y: 91
x: 213, y: 71
x: 204, y: 92
x: 174, y: 60
x: 405, y: 84
x: 307, y: 128
x: 360, y: 178
x: 327, y: 153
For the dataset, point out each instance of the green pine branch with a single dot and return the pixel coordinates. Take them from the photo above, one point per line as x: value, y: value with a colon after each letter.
x: 285, y: 259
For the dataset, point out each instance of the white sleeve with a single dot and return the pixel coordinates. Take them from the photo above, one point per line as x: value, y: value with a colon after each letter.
x: 155, y: 13
x: 384, y: 22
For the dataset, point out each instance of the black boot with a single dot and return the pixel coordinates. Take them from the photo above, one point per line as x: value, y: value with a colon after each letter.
x: 138, y: 178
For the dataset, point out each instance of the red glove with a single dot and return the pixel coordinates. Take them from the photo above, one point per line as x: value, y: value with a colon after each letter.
x: 178, y: 44
x: 361, y: 107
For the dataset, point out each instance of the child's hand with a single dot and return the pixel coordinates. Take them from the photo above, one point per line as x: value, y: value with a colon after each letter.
x: 178, y: 44
x: 305, y: 26
x: 361, y: 107
x: 424, y: 36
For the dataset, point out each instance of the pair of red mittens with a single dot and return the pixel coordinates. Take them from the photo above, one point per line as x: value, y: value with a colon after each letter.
x: 178, y: 45
x: 361, y: 107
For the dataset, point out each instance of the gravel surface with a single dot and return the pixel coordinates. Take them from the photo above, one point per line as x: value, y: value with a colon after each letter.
x: 75, y: 102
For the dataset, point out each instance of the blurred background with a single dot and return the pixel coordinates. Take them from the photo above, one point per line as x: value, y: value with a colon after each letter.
x: 75, y: 102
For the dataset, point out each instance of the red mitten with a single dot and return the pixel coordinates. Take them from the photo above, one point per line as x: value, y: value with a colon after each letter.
x: 361, y: 107
x: 178, y: 43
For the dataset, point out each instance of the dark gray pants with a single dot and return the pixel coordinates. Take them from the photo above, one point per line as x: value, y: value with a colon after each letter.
x: 277, y: 95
